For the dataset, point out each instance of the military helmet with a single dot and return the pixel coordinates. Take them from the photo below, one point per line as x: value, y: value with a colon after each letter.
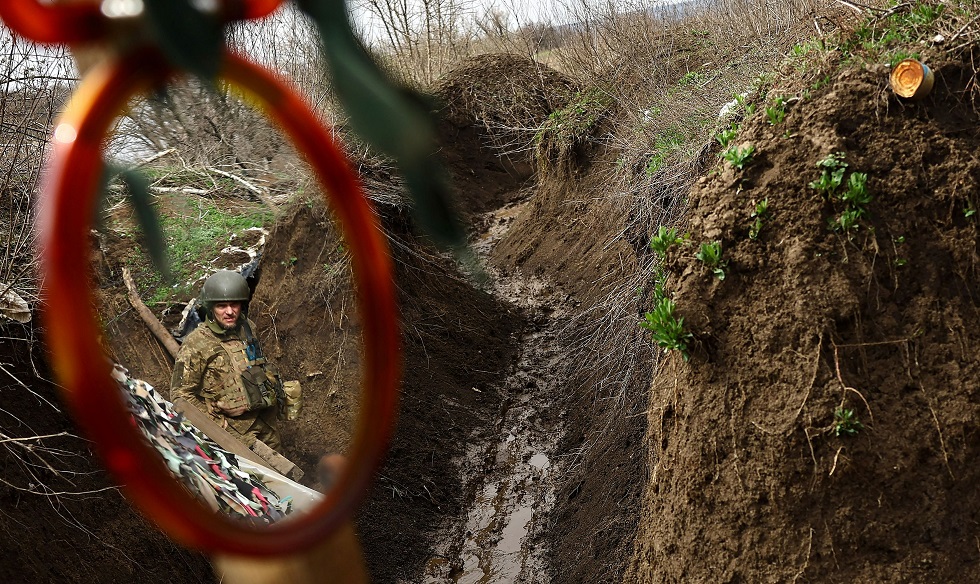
x: 224, y: 286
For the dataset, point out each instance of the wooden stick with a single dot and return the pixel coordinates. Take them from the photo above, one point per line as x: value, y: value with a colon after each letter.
x: 151, y: 321
x: 215, y: 432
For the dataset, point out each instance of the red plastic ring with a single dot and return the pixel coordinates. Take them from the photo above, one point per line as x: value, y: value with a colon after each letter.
x: 74, y: 23
x: 67, y: 207
x: 50, y: 24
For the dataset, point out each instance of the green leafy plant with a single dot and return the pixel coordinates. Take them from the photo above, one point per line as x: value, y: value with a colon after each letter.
x: 856, y: 195
x: 776, y: 113
x: 759, y: 214
x: 710, y: 256
x: 821, y: 82
x: 575, y: 120
x: 747, y: 107
x: 832, y: 173
x: 689, y: 78
x: 665, y: 143
x: 665, y: 238
x: 726, y: 135
x: 739, y: 156
x: 846, y: 422
x: 969, y: 210
x: 897, y: 29
x: 666, y: 328
x: 846, y: 221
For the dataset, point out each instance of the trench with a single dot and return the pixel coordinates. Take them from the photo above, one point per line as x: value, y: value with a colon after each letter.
x: 510, y: 478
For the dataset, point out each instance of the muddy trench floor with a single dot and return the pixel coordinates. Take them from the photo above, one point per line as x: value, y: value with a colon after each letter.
x: 509, y: 474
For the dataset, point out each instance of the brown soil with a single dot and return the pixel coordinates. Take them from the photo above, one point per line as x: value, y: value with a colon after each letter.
x: 749, y: 482
x: 70, y: 525
x: 741, y: 477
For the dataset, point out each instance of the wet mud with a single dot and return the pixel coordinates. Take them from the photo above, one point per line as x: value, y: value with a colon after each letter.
x: 510, y: 475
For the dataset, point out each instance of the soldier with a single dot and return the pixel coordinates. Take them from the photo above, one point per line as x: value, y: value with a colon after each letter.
x: 222, y: 371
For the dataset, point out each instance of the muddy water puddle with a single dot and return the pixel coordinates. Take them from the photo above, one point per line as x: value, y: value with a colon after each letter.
x: 511, y: 477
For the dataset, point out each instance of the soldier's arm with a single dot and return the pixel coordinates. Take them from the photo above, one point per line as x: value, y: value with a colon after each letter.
x: 188, y: 377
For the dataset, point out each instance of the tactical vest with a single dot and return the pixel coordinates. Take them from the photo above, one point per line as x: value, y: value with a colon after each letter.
x: 255, y: 384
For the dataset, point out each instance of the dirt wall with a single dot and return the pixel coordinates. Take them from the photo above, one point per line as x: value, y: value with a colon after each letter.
x: 753, y: 476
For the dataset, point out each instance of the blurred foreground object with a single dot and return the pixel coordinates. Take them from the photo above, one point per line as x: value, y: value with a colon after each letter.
x: 137, y: 63
x: 338, y: 559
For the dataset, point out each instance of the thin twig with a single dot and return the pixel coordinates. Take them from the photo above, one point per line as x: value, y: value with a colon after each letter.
x: 965, y: 26
x: 847, y: 388
x: 22, y: 384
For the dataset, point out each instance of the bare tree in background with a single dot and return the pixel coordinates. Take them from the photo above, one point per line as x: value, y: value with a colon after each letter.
x: 34, y: 84
x: 211, y: 129
x: 424, y: 38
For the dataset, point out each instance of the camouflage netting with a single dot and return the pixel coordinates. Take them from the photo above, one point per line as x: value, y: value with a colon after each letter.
x: 228, y: 485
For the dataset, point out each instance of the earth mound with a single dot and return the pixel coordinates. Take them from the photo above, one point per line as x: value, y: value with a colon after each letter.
x: 489, y: 110
x: 826, y: 425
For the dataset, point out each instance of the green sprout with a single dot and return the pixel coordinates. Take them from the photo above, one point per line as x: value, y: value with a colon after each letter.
x: 739, y: 156
x: 745, y: 105
x: 832, y: 174
x: 725, y: 136
x: 846, y: 221
x: 667, y: 329
x: 664, y: 238
x: 856, y: 194
x: 776, y: 112
x: 760, y: 213
x: 710, y: 256
x: 846, y: 422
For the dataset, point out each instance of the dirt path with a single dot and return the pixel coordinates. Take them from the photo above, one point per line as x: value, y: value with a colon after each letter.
x: 510, y: 477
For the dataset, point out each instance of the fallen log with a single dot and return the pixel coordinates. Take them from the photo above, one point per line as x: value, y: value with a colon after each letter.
x: 151, y: 321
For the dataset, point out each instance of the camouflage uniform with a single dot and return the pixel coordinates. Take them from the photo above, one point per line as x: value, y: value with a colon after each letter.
x: 209, y: 367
